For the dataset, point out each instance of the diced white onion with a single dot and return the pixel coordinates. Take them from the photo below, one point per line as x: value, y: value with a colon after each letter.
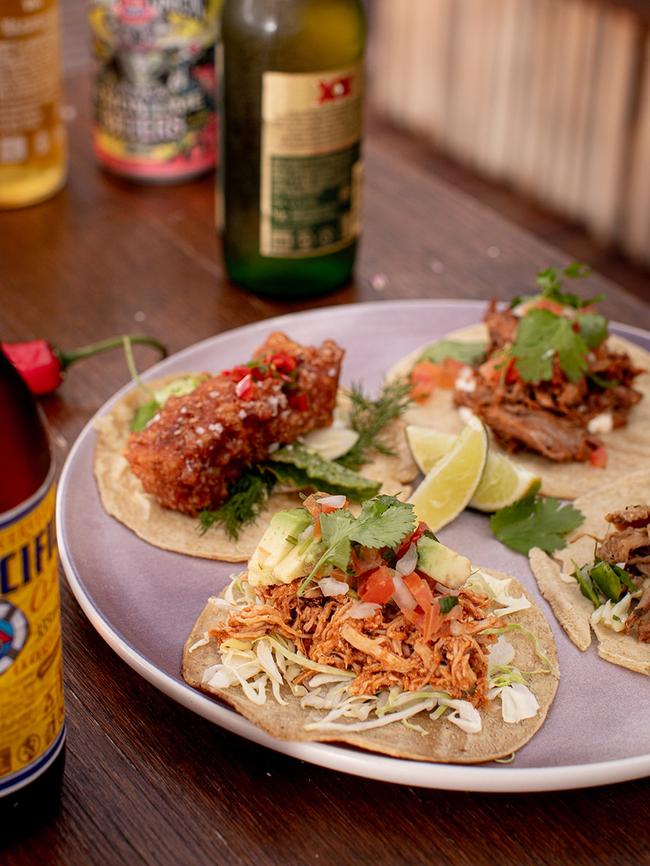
x: 407, y: 563
x: 337, y: 501
x: 402, y: 594
x: 331, y: 586
x: 363, y: 609
x: 445, y: 590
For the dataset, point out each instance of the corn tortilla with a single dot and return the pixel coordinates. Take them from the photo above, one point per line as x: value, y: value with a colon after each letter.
x: 572, y: 609
x: 627, y: 447
x: 444, y: 741
x: 124, y: 498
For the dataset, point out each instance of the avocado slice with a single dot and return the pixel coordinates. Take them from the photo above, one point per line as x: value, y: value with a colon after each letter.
x: 280, y: 542
x: 442, y: 563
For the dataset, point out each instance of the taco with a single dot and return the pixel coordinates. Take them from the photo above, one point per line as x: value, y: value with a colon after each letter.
x: 601, y: 580
x: 197, y: 463
x: 366, y: 630
x: 571, y: 402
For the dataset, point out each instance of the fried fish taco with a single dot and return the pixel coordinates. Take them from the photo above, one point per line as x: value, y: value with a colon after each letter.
x: 367, y: 630
x: 570, y: 401
x: 198, y: 464
x: 601, y: 581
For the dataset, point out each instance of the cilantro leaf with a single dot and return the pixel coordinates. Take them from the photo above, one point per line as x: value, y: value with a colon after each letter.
x: 383, y: 522
x: 467, y: 353
x: 593, y: 328
x: 535, y: 521
x: 539, y: 336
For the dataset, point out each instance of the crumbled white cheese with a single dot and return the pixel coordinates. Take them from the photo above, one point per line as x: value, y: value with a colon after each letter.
x: 465, y: 380
x: 465, y: 414
x: 603, y: 423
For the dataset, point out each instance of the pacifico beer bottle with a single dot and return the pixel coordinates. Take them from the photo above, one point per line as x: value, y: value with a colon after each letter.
x: 290, y: 161
x: 32, y: 727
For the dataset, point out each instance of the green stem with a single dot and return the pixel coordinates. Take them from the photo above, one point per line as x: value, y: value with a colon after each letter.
x: 66, y: 359
x: 133, y: 370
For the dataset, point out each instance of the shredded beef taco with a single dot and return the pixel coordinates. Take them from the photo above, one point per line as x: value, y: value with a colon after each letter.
x: 367, y: 630
x: 198, y: 463
x: 601, y: 581
x: 571, y: 402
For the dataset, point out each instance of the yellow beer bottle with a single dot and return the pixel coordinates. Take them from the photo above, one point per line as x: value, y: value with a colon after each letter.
x: 290, y: 171
x: 32, y: 138
x: 32, y: 729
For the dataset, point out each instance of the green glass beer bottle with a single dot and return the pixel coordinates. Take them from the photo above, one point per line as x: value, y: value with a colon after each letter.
x: 290, y: 163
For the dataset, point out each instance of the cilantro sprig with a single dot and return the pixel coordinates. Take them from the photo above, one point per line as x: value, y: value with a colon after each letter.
x: 544, y: 334
x: 535, y: 521
x: 383, y: 522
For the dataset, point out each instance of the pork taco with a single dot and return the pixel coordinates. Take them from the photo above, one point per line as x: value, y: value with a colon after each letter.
x: 601, y: 581
x: 569, y: 400
x: 366, y: 630
x: 198, y: 463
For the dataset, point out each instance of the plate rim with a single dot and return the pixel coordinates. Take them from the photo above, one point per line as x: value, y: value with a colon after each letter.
x: 341, y: 758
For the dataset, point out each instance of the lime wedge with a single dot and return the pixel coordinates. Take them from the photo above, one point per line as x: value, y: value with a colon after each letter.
x: 503, y: 480
x: 451, y: 482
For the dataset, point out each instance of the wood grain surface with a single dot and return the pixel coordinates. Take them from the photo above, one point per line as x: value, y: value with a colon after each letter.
x: 146, y: 781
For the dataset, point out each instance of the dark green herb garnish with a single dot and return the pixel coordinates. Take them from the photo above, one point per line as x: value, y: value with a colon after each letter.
x: 369, y: 418
x: 245, y: 501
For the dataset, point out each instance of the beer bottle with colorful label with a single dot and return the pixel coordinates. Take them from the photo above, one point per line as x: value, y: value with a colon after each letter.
x: 32, y: 729
x: 290, y: 174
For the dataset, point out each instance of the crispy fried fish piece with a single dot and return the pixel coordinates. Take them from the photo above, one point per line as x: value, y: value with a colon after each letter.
x: 199, y: 444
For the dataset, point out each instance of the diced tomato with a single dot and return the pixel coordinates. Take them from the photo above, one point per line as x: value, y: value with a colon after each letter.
x: 413, y: 538
x: 377, y: 586
x: 427, y: 376
x: 420, y: 590
x: 300, y: 402
x: 283, y: 362
x: 598, y: 457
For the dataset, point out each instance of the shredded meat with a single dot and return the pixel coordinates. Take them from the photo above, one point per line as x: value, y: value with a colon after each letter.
x: 633, y: 515
x: 190, y: 455
x: 383, y: 649
x: 550, y: 417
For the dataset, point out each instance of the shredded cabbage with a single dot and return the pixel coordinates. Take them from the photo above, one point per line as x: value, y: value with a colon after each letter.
x: 517, y: 702
x: 501, y: 653
x: 497, y: 589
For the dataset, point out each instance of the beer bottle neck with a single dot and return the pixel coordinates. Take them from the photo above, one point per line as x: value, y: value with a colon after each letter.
x: 24, y: 448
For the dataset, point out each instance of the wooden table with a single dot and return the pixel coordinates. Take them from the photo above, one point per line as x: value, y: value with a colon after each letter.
x: 146, y: 781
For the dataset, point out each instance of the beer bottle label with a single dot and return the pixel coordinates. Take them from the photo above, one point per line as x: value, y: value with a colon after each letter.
x: 154, y: 94
x: 30, y: 127
x: 311, y: 166
x: 31, y: 674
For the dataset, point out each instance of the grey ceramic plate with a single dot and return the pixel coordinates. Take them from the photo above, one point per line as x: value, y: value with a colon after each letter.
x: 143, y: 601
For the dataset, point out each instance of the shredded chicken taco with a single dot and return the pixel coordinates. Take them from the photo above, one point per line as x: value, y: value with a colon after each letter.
x: 553, y: 387
x: 601, y: 581
x: 367, y: 630
x: 198, y: 463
